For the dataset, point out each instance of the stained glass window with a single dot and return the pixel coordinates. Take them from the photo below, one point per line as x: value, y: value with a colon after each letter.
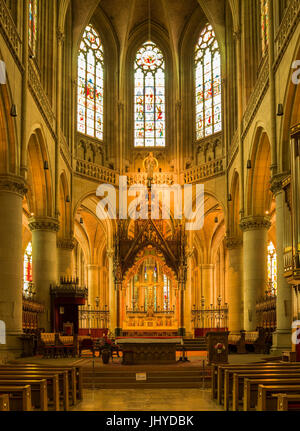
x: 90, y: 85
x: 149, y: 97
x: 27, y: 280
x: 272, y: 269
x: 264, y: 24
x: 208, y: 84
x: 166, y: 293
x: 32, y: 25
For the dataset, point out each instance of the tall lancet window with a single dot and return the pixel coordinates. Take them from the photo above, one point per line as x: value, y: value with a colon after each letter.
x: 27, y: 280
x: 32, y: 25
x: 208, y: 84
x: 90, y: 85
x: 149, y: 97
x: 264, y: 13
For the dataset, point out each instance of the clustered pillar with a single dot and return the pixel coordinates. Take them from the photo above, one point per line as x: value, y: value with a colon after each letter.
x: 282, y: 335
x: 235, y: 284
x: 255, y: 236
x: 44, y: 262
x: 12, y: 191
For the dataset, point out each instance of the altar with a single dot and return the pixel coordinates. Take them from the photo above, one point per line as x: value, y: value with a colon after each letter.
x: 149, y: 350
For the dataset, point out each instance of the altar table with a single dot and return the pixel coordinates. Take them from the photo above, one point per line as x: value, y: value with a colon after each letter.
x: 149, y: 350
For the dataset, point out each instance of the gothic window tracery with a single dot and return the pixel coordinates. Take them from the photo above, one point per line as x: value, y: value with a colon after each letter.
x: 208, y: 84
x: 32, y: 25
x: 27, y: 278
x: 90, y: 102
x: 264, y: 4
x: 272, y: 268
x: 149, y: 97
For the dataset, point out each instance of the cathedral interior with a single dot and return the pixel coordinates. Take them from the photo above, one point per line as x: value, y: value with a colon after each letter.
x: 130, y: 95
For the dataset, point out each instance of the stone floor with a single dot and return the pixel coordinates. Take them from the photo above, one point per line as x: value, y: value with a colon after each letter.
x: 147, y: 400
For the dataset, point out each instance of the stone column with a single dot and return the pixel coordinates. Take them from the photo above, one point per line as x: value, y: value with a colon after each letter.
x: 111, y: 292
x: 255, y: 230
x: 282, y: 335
x: 188, y: 300
x: 235, y: 284
x: 65, y: 249
x: 44, y: 262
x: 12, y: 190
x: 93, y: 283
x: 207, y: 282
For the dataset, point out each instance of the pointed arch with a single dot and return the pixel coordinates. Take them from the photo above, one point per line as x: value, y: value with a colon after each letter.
x: 40, y: 201
x: 259, y: 195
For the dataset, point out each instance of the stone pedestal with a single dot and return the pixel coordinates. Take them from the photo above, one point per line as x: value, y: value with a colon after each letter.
x: 282, y: 336
x: 235, y: 284
x: 65, y: 257
x: 255, y: 230
x: 12, y: 190
x: 44, y: 262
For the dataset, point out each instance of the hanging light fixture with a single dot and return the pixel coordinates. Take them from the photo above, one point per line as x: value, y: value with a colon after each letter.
x: 13, y: 110
x: 216, y: 220
x: 81, y: 220
x: 68, y: 199
x: 46, y: 165
x: 280, y: 110
x: 229, y: 197
x: 249, y: 164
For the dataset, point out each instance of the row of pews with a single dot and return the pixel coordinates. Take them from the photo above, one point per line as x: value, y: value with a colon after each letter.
x: 32, y: 387
x: 257, y: 386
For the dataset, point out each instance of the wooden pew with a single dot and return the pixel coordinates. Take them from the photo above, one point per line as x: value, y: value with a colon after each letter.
x: 266, y: 402
x: 72, y: 375
x: 262, y: 366
x: 78, y: 372
x: 286, y: 402
x: 19, y: 397
x: 62, y: 375
x: 4, y: 403
x: 38, y: 391
x: 52, y: 386
x: 251, y: 387
x: 234, y: 384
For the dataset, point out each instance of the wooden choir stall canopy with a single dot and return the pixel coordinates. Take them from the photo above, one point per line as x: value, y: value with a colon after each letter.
x: 149, y: 350
x: 65, y: 300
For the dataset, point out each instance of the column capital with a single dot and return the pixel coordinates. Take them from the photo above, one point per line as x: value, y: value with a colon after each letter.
x: 255, y: 223
x: 60, y: 36
x: 233, y: 242
x: 13, y: 184
x: 66, y: 243
x: 276, y: 183
x: 110, y: 253
x: 48, y: 224
x: 237, y: 33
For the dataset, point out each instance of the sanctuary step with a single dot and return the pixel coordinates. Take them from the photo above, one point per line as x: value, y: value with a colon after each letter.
x: 195, y: 344
x: 100, y: 379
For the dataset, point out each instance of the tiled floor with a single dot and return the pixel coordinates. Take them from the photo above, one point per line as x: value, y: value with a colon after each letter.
x: 147, y: 400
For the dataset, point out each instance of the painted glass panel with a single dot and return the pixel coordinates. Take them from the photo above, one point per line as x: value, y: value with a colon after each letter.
x: 90, y: 102
x: 208, y: 86
x: 149, y: 97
